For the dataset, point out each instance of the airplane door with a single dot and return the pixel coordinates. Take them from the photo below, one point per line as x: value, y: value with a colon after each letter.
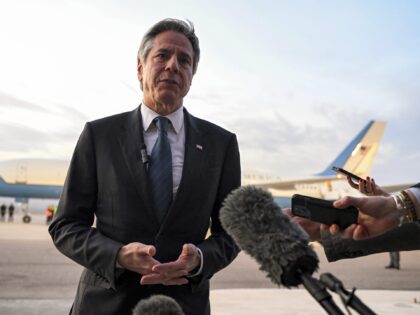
x: 22, y: 172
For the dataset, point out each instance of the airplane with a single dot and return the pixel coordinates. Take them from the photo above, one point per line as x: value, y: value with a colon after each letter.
x: 24, y: 179
x: 357, y: 158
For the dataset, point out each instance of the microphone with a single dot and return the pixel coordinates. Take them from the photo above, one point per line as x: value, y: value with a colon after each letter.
x: 261, y: 229
x: 144, y: 156
x: 257, y: 224
x: 158, y: 305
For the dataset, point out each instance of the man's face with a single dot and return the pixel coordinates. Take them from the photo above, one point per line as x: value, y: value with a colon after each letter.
x: 166, y: 74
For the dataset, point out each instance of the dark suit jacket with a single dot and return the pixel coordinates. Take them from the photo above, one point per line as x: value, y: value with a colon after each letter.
x: 107, y: 179
x: 406, y: 237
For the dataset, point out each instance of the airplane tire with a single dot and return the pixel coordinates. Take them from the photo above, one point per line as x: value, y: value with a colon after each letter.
x: 26, y: 218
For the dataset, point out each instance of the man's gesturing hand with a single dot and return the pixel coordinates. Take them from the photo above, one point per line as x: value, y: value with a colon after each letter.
x: 137, y: 257
x: 173, y: 273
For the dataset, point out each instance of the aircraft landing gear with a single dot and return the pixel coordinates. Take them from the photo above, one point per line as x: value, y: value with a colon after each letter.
x: 26, y: 218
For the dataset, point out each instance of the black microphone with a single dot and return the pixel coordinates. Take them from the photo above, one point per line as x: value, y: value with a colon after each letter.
x: 158, y: 305
x: 257, y: 224
x: 144, y: 156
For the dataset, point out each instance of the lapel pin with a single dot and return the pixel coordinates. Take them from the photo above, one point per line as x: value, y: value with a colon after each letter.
x: 199, y: 146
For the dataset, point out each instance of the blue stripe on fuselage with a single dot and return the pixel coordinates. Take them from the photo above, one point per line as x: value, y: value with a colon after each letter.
x: 283, y: 202
x: 29, y: 191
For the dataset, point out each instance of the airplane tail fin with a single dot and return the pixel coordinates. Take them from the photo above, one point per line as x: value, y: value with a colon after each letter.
x: 358, y: 156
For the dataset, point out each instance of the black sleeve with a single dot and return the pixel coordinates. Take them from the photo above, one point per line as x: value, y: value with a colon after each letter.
x: 404, y: 238
x: 71, y: 230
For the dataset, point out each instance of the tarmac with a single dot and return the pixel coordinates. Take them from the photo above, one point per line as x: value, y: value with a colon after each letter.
x: 36, y: 279
x: 246, y: 302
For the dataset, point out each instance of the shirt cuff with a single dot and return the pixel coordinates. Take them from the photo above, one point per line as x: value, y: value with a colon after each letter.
x: 198, y: 272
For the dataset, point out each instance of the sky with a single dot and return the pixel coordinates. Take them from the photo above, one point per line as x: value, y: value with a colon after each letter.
x: 295, y: 80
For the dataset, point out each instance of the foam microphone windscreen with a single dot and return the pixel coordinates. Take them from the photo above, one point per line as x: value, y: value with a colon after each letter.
x: 258, y: 225
x: 158, y: 305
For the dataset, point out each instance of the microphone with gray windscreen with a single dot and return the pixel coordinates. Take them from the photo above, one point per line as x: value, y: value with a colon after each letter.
x: 158, y: 305
x: 258, y: 225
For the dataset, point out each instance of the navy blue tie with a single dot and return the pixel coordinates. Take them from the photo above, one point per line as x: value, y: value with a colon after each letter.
x: 160, y: 171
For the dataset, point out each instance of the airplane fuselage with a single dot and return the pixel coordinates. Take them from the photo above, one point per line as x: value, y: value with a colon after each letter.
x: 29, y: 190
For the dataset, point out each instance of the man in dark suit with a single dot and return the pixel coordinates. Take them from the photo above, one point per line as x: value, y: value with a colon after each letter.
x: 144, y: 243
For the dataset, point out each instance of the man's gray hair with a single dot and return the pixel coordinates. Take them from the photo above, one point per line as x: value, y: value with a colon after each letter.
x: 184, y: 27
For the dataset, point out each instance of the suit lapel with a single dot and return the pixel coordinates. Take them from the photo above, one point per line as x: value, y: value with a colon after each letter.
x: 131, y: 140
x: 194, y: 161
x: 194, y: 153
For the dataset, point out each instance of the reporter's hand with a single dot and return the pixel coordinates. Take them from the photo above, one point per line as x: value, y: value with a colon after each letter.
x: 367, y: 187
x: 137, y: 257
x: 310, y: 227
x: 173, y: 273
x: 377, y: 215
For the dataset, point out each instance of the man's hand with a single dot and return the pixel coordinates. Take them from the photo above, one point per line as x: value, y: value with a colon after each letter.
x: 310, y: 227
x: 377, y: 215
x: 173, y: 273
x: 137, y: 257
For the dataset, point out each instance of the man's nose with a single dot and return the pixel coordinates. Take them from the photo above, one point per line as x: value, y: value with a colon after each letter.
x: 172, y: 64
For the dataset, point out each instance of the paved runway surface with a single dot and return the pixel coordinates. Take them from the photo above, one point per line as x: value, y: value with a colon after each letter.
x: 36, y: 279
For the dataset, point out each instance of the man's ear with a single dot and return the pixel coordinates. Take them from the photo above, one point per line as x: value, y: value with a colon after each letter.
x: 139, y: 69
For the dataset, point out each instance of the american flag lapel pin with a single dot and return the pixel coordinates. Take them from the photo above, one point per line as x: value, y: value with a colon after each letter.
x: 199, y: 146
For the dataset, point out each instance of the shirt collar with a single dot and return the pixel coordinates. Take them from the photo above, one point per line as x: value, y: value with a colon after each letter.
x: 176, y: 118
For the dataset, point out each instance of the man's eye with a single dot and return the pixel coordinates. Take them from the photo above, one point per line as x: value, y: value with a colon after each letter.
x: 185, y: 61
